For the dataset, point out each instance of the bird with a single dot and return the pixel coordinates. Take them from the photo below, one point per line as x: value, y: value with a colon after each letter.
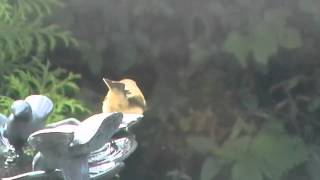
x: 123, y: 96
x: 4, y: 144
x: 27, y: 116
x: 67, y: 145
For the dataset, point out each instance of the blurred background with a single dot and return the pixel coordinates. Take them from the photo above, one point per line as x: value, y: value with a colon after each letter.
x: 231, y: 85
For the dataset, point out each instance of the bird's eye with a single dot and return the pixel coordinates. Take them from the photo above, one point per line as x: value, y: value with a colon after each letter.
x: 127, y: 91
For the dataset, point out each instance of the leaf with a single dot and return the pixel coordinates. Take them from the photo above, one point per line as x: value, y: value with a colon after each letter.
x: 211, y: 168
x: 249, y: 100
x: 217, y: 8
x: 290, y: 38
x: 199, y: 54
x: 264, y: 43
x: 277, y: 17
x: 309, y: 6
x: 252, y: 4
x: 233, y: 149
x: 238, y: 45
x: 313, y: 164
x: 246, y: 169
x: 314, y: 105
x: 237, y: 129
x: 273, y: 126
x: 245, y: 2
x: 5, y: 103
x: 272, y: 152
x: 23, y: 30
x: 38, y: 78
x: 278, y: 152
x: 201, y: 144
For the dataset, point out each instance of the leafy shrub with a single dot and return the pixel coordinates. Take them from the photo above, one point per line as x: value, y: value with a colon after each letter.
x: 270, y: 152
x: 264, y: 38
x: 25, y: 36
x: 57, y: 84
x: 23, y: 30
x: 183, y: 40
x: 247, y: 29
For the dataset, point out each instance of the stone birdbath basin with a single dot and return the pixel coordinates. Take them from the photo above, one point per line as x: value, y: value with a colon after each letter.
x: 69, y: 149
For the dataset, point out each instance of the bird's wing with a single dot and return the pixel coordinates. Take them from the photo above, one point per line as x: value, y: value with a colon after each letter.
x: 138, y: 101
x: 4, y: 143
x: 41, y: 106
x: 94, y: 132
x: 69, y: 121
x: 132, y: 88
x: 3, y: 120
x: 130, y: 119
x: 53, y: 141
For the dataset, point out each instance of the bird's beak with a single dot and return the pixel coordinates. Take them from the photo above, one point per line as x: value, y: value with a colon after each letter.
x: 108, y: 82
x: 114, y: 84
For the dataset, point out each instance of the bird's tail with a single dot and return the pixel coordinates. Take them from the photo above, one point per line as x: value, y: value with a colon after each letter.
x: 41, y: 105
x: 4, y: 143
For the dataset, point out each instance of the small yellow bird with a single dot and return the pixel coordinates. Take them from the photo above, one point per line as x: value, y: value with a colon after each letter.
x: 123, y: 96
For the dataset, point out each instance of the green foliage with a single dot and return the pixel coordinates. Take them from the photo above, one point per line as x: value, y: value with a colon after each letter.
x: 95, y: 60
x: 238, y: 45
x: 211, y: 168
x: 311, y: 7
x: 23, y: 31
x: 264, y: 38
x: 57, y: 84
x: 24, y: 35
x: 313, y: 164
x: 270, y: 152
x: 5, y: 104
x: 199, y: 54
x: 201, y: 144
x: 187, y: 43
x: 27, y: 8
x: 247, y: 169
x: 247, y: 29
x: 314, y: 105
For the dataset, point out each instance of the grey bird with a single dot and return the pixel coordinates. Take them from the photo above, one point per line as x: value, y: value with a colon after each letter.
x: 66, y: 146
x: 27, y: 116
x: 104, y: 162
x: 4, y: 144
x: 130, y: 120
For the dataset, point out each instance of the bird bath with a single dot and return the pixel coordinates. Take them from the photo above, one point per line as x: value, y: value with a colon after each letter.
x: 70, y: 149
x: 104, y: 163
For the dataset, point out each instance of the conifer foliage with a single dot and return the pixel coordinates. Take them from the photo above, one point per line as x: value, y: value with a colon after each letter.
x: 25, y: 38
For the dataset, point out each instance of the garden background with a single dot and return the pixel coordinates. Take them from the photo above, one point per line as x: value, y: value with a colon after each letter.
x: 231, y: 85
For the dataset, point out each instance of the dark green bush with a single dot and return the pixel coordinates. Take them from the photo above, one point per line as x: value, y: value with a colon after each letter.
x: 25, y: 38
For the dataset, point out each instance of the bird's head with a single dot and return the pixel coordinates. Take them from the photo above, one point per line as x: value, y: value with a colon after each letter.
x: 123, y: 96
x: 114, y: 85
x: 21, y: 110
